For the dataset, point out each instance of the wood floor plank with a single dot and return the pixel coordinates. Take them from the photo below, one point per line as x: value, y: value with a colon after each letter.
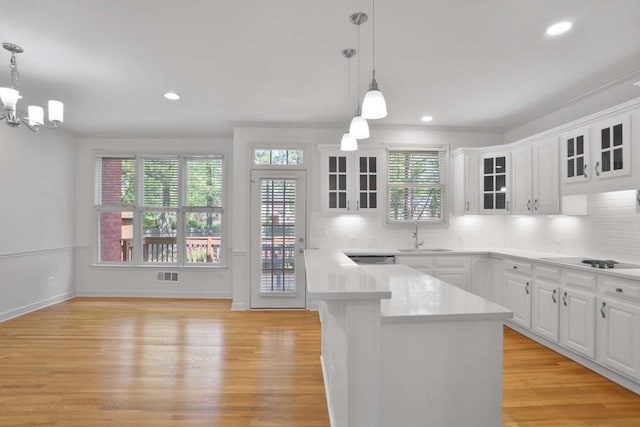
x: 177, y: 362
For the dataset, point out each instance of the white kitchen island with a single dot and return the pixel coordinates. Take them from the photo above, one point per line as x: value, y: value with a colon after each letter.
x: 402, y: 348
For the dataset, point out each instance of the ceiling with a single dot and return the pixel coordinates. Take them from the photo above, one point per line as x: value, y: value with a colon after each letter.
x: 468, y: 63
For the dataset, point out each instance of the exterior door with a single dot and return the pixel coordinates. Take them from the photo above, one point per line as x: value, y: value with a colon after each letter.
x: 278, y: 236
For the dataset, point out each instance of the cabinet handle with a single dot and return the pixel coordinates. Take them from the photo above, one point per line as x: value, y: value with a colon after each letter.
x: 584, y: 170
x: 348, y: 205
x: 535, y: 204
x: 597, y: 171
x: 358, y: 205
x: 604, y: 304
x: 515, y: 267
x: 467, y: 206
x: 564, y: 299
x: 526, y: 288
x: 553, y: 296
x: 619, y: 290
x: 529, y: 205
x: 507, y: 206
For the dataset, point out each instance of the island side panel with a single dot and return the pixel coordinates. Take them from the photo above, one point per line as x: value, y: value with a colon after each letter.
x: 351, y: 361
x: 442, y: 373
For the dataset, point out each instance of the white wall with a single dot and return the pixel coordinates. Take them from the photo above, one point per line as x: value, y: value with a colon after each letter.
x: 350, y: 231
x: 140, y: 281
x: 37, y: 216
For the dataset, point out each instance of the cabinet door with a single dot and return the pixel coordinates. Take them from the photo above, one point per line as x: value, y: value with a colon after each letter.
x: 338, y: 187
x: 497, y: 281
x: 546, y: 179
x: 613, y: 147
x: 517, y: 294
x: 480, y: 277
x: 367, y: 186
x: 619, y: 336
x: 458, y: 279
x: 494, y: 178
x: 578, y: 321
x: 521, y: 176
x: 575, y: 148
x: 546, y: 312
x: 471, y: 183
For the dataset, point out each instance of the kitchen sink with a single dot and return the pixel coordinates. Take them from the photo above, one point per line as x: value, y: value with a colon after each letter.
x: 424, y: 250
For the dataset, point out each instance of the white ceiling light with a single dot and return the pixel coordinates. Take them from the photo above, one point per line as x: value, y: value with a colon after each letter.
x: 172, y: 96
x: 359, y: 128
x: 348, y: 142
x: 559, y: 28
x: 10, y: 97
x: 637, y: 84
x: 374, y: 106
x: 426, y: 119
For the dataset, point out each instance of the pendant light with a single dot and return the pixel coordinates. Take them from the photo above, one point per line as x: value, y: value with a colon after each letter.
x: 374, y: 105
x: 359, y: 128
x: 348, y: 143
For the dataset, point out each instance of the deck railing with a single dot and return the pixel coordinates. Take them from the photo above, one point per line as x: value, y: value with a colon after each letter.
x: 200, y: 249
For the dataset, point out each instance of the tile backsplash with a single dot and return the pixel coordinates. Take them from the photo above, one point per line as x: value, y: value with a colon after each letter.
x: 611, y: 229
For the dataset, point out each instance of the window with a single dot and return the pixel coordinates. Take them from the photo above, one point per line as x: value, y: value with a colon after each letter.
x: 417, y: 190
x: 174, y: 216
x: 282, y: 157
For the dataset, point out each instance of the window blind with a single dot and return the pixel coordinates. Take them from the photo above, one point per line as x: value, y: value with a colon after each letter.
x: 115, y: 179
x: 417, y: 190
x: 161, y: 182
x: 204, y: 182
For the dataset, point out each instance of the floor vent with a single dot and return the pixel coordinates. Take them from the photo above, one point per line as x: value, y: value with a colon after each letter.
x: 167, y: 276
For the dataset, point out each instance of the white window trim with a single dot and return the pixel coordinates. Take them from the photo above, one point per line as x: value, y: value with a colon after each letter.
x: 254, y: 165
x: 181, y: 210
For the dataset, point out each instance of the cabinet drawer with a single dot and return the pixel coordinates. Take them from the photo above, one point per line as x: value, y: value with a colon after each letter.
x: 517, y: 267
x: 618, y: 287
x: 578, y: 280
x: 452, y: 262
x: 550, y: 274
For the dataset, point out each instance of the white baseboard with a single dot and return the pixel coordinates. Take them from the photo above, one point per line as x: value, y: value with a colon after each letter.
x: 153, y: 294
x: 10, y: 314
x: 239, y: 306
x: 326, y: 392
x: 597, y: 368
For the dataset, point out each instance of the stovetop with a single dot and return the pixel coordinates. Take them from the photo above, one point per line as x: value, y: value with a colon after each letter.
x: 595, y: 263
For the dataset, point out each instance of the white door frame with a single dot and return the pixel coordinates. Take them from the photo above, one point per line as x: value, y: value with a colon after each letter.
x: 258, y: 299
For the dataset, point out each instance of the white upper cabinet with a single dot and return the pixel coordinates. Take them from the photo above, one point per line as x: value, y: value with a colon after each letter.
x: 495, y: 168
x: 575, y: 149
x: 465, y: 182
x: 350, y: 181
x: 613, y: 147
x: 546, y: 177
x: 522, y: 176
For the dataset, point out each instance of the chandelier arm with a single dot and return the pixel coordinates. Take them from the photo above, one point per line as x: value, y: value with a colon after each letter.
x: 25, y: 120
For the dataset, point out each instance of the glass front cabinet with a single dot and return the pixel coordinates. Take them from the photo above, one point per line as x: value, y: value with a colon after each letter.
x: 494, y: 179
x: 600, y: 151
x: 350, y: 181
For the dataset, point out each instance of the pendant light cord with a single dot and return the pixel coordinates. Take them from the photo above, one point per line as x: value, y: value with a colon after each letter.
x: 373, y: 25
x: 358, y: 79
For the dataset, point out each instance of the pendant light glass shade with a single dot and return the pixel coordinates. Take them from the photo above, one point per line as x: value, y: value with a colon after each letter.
x: 36, y: 115
x: 359, y: 128
x: 9, y: 97
x: 374, y: 105
x: 348, y: 143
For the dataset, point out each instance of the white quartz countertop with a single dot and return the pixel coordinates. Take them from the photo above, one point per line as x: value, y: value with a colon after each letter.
x: 523, y: 254
x: 406, y: 293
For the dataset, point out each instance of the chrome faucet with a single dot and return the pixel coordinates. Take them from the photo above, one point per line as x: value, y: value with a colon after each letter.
x: 415, y: 236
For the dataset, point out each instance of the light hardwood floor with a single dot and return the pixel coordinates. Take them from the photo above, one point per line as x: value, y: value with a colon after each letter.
x: 156, y: 362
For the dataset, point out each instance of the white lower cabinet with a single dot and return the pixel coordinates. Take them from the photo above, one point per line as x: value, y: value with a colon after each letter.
x: 545, y: 316
x: 497, y: 281
x: 481, y: 277
x: 619, y: 326
x: 578, y: 313
x: 423, y: 263
x: 517, y: 291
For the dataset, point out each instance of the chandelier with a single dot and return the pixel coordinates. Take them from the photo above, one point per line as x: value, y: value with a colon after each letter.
x: 10, y: 97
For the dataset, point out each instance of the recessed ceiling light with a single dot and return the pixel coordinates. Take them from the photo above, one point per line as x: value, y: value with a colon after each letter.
x: 426, y: 119
x: 559, y: 28
x: 637, y: 83
x: 172, y: 96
